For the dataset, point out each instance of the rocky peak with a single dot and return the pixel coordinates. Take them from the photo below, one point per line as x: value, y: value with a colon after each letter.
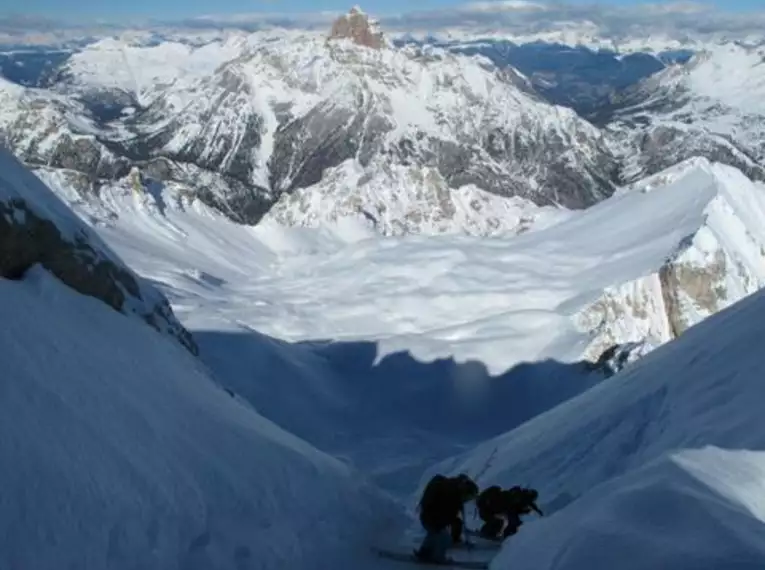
x: 357, y: 26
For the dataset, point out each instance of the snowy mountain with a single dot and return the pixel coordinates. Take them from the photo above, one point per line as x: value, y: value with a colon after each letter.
x: 575, y: 76
x: 281, y: 115
x: 244, y: 121
x: 139, y: 73
x: 643, y: 265
x: 658, y: 467
x: 583, y: 34
x: 324, y: 352
x: 710, y: 107
x: 418, y: 139
x: 719, y: 259
x: 401, y: 200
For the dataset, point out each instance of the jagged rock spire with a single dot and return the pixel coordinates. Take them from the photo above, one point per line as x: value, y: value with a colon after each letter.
x: 357, y: 26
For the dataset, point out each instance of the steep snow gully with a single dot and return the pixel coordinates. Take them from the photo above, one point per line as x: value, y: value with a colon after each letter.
x: 305, y: 429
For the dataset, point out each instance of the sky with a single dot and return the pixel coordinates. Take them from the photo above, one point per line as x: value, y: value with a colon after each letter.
x: 173, y: 9
x: 67, y: 22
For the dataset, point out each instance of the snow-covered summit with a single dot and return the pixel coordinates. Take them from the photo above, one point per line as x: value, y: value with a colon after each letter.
x: 357, y: 26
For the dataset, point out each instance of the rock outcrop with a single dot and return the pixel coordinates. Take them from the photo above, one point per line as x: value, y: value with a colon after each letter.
x: 37, y: 228
x: 719, y: 263
x: 357, y: 26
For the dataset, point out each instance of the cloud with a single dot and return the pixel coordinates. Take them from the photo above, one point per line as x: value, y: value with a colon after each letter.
x: 675, y: 19
x: 525, y: 17
x: 503, y: 6
x: 519, y: 18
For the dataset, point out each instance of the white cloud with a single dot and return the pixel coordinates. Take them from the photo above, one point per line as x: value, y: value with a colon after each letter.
x: 503, y: 6
x: 515, y: 18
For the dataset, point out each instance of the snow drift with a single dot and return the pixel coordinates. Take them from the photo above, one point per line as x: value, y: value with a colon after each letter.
x: 658, y: 467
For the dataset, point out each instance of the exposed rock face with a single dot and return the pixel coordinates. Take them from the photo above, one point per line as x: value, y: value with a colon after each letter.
x: 702, y: 286
x: 708, y: 270
x: 630, y: 312
x: 36, y: 228
x: 356, y: 25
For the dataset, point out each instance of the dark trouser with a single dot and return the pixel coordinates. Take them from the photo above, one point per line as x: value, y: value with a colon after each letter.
x: 492, y: 523
x: 457, y: 526
x: 439, y: 527
x: 492, y: 527
x: 513, y: 524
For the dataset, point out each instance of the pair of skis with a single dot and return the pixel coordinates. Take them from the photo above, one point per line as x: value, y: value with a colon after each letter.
x: 404, y: 557
x: 470, y: 564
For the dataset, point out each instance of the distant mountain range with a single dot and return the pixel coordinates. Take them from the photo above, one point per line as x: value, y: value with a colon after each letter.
x: 411, y: 134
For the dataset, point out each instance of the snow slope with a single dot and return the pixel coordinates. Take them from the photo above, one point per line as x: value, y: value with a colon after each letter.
x: 122, y: 452
x: 145, y: 71
x: 660, y: 466
x: 419, y: 345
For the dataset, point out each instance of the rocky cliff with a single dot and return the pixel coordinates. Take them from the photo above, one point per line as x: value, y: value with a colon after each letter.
x: 37, y: 228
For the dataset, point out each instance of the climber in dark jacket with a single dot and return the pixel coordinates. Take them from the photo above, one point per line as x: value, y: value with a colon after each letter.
x: 442, y: 507
x: 494, y: 505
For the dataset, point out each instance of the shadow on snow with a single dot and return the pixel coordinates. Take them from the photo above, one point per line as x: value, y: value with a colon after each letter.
x: 392, y: 417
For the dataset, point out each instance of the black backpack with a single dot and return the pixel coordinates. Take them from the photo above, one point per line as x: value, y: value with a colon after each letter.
x: 432, y: 492
x: 490, y: 498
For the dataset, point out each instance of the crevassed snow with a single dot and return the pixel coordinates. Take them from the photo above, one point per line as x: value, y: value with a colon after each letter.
x: 660, y: 466
x: 120, y: 451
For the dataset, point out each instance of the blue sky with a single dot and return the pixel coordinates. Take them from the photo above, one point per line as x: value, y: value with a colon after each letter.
x: 182, y: 8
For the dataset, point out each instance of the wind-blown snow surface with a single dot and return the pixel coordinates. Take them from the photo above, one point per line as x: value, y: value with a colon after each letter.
x: 660, y: 466
x: 377, y: 319
x: 120, y: 452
